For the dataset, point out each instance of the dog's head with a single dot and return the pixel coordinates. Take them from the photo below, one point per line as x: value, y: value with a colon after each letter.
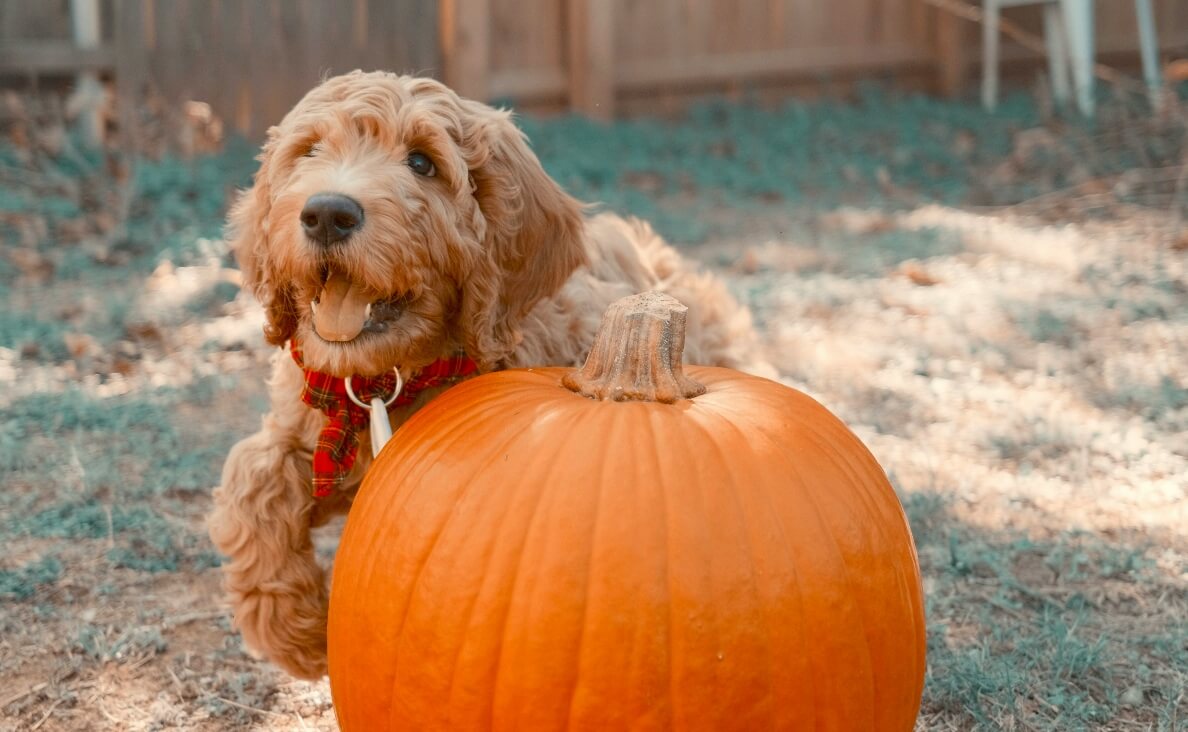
x: 391, y: 221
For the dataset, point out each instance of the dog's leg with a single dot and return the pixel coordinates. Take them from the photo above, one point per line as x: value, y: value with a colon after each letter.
x: 261, y: 522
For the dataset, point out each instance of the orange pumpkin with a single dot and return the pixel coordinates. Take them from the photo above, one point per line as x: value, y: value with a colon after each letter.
x: 525, y: 557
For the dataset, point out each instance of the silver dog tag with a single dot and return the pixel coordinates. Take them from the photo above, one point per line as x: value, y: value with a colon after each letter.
x: 381, y: 429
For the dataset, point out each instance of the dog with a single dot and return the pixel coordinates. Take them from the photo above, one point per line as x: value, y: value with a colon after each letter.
x: 394, y: 227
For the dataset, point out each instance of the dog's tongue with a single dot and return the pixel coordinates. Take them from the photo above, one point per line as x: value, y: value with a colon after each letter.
x: 342, y: 309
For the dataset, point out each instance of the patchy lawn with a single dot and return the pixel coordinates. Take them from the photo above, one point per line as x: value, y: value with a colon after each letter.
x: 997, y: 304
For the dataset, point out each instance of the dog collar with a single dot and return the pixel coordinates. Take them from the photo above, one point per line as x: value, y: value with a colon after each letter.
x: 338, y: 442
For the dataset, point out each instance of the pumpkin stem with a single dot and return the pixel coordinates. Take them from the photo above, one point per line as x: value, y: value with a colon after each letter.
x: 637, y: 353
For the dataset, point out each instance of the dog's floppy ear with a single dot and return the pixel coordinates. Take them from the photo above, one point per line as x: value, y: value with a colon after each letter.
x: 533, y: 238
x: 247, y: 232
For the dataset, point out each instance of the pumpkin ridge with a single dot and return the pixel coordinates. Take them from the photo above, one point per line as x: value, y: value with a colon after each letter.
x: 748, y: 532
x: 442, y: 441
x: 811, y: 500
x: 422, y: 564
x: 671, y: 712
x: 471, y: 609
x: 798, y: 592
x: 462, y: 393
x: 679, y: 646
x: 519, y: 565
x: 874, y: 508
x: 498, y: 661
x: 714, y: 517
x: 801, y: 486
x: 611, y: 427
x: 659, y: 466
x: 889, y: 515
x: 828, y: 444
x: 585, y: 630
x: 730, y: 415
x: 451, y: 420
x: 367, y: 549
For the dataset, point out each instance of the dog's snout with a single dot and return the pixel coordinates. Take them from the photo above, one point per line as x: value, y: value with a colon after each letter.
x: 331, y: 217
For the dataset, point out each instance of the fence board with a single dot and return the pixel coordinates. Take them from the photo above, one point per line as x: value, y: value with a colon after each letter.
x: 591, y: 58
x: 53, y: 57
x: 252, y: 59
x: 44, y: 20
x: 466, y: 46
x: 701, y: 72
x: 128, y: 35
x: 258, y: 57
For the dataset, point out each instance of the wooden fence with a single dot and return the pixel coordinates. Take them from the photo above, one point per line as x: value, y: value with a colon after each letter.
x: 592, y: 53
x: 252, y: 59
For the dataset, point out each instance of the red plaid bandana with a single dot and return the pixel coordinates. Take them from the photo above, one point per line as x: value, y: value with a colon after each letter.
x: 338, y: 444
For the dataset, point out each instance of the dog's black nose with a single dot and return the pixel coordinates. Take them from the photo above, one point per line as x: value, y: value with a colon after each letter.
x: 330, y: 217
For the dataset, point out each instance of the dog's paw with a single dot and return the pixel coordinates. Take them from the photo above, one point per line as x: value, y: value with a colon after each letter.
x: 287, y: 629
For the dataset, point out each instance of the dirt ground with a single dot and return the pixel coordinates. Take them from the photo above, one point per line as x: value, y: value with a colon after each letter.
x: 1021, y: 378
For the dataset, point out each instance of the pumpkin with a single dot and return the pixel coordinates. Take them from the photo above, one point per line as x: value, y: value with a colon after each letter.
x: 626, y: 547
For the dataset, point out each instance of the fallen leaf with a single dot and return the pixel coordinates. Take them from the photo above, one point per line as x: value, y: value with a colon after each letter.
x: 749, y: 263
x: 81, y: 345
x: 917, y: 274
x: 32, y: 263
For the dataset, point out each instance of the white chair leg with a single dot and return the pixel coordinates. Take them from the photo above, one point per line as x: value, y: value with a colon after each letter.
x: 990, y: 54
x: 1078, y: 18
x: 1149, y: 47
x: 1057, y: 52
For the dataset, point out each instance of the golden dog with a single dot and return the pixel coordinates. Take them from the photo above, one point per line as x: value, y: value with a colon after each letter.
x: 391, y: 225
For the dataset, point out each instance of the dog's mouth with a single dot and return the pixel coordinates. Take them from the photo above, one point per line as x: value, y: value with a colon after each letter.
x: 344, y: 309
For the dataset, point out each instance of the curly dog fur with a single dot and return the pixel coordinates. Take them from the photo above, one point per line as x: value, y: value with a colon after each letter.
x: 482, y: 252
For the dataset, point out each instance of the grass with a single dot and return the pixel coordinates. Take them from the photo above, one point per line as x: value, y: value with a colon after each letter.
x: 1044, y: 635
x: 829, y: 151
x: 101, y: 493
x: 22, y: 583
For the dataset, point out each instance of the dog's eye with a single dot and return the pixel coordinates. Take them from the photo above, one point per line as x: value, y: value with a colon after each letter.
x: 311, y: 151
x: 421, y: 164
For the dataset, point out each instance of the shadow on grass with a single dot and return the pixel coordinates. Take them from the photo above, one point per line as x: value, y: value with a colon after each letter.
x: 1078, y: 632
